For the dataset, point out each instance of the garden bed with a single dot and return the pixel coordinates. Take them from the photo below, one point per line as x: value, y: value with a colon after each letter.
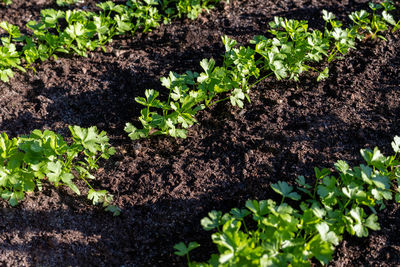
x: 164, y: 186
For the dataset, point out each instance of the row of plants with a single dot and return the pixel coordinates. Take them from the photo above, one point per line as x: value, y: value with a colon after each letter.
x: 79, y: 31
x: 27, y: 162
x: 292, y: 50
x: 61, y: 3
x: 312, y: 223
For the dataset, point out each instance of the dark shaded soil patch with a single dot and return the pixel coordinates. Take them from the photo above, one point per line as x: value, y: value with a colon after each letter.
x: 165, y: 186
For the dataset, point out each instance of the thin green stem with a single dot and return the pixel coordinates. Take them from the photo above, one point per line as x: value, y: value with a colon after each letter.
x: 111, y: 35
x: 245, y: 227
x: 332, y: 54
x: 216, y: 102
x: 396, y: 27
x: 347, y: 203
x: 260, y: 80
x: 165, y: 111
x: 314, y: 69
x: 83, y: 178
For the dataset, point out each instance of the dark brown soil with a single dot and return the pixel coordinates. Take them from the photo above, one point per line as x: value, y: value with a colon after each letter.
x: 165, y: 186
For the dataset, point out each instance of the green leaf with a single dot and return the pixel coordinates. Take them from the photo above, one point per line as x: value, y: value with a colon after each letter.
x: 319, y: 174
x: 326, y: 235
x: 89, y: 138
x: 182, y: 249
x: 76, y: 30
x: 237, y: 98
x: 358, y: 228
x: 108, y: 5
x: 50, y: 16
x: 6, y: 74
x: 207, y: 65
x: 123, y: 23
x: 13, y: 197
x: 380, y: 194
x: 374, y: 158
x: 54, y: 170
x: 388, y: 18
x: 372, y: 222
x: 323, y: 74
x: 239, y: 214
x: 374, y: 6
x: 355, y: 192
x: 301, y: 180
x: 396, y: 144
x: 7, y: 147
x: 229, y: 43
x: 260, y: 208
x: 113, y: 209
x: 63, y: 3
x: 279, y: 69
x: 74, y: 188
x: 321, y: 250
x: 381, y: 181
x: 327, y: 16
x: 11, y: 29
x: 285, y: 190
x: 214, y: 220
x: 97, y: 196
x: 318, y: 210
x: 342, y: 166
x: 135, y: 133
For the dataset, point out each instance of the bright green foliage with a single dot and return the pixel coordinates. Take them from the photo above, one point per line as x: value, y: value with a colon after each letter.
x: 9, y: 57
x: 284, y: 235
x: 6, y: 2
x: 29, y: 161
x: 86, y: 31
x: 292, y: 50
x: 192, y: 91
x: 63, y: 3
x: 287, y: 54
x: 193, y: 8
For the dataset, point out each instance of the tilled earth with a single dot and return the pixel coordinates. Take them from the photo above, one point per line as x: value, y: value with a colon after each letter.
x: 165, y: 186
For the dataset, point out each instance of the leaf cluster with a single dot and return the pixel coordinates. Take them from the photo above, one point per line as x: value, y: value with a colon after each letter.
x: 79, y: 31
x: 44, y: 157
x: 293, y: 235
x: 64, y: 3
x: 192, y: 8
x: 192, y: 91
x: 294, y: 49
x: 372, y: 25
